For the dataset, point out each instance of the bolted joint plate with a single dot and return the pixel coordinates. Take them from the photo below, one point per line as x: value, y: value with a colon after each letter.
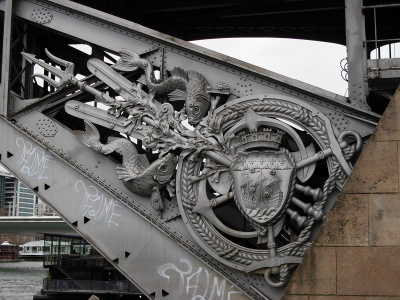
x: 42, y: 15
x: 46, y: 127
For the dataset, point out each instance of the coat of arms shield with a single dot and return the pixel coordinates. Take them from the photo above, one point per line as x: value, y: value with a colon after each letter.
x: 262, y: 181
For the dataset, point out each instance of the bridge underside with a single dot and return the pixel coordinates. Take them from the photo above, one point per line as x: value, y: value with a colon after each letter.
x: 302, y: 19
x: 226, y: 210
x: 310, y: 20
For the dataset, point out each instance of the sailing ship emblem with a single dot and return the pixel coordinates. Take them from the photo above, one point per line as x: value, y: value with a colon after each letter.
x: 262, y: 180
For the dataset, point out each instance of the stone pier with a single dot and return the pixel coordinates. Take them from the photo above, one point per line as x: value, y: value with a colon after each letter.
x: 356, y: 254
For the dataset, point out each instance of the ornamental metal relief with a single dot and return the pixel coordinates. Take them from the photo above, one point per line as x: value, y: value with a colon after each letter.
x: 251, y: 177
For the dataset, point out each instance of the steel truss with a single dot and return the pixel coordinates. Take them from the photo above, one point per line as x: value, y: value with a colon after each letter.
x: 155, y: 251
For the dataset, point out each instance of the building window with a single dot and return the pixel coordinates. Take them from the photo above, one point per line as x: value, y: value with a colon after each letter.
x: 25, y: 195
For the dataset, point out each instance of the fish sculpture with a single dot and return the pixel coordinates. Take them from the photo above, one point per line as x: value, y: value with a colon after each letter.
x: 137, y: 174
x: 189, y: 86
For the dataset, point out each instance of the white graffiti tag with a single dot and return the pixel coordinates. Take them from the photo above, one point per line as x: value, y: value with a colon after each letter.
x: 199, y: 284
x: 33, y: 161
x: 96, y: 205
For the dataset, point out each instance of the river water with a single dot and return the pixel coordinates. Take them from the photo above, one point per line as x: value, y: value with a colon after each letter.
x: 21, y: 280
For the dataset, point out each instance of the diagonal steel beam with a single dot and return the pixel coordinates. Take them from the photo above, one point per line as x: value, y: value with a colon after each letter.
x: 8, y: 13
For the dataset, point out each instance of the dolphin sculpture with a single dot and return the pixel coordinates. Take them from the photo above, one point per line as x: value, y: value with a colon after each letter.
x: 137, y: 174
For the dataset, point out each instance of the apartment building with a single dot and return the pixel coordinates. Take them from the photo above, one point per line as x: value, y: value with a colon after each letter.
x: 16, y: 199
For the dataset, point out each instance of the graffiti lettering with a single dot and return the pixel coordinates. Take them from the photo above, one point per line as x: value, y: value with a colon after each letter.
x: 97, y: 206
x: 33, y: 161
x: 199, y: 284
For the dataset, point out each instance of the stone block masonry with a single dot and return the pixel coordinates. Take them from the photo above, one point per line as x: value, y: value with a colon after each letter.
x: 356, y: 254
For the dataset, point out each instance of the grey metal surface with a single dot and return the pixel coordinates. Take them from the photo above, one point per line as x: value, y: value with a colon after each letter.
x: 383, y: 68
x: 165, y: 237
x: 356, y: 54
x: 118, y: 224
x: 8, y: 11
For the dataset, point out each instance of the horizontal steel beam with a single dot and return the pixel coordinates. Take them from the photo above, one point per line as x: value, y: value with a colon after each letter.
x: 34, y: 225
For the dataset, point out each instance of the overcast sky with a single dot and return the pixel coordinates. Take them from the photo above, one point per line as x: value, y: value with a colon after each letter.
x: 316, y: 63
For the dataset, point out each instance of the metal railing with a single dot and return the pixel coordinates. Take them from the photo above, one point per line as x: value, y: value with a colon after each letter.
x: 74, y: 260
x: 376, y: 40
x: 89, y: 286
